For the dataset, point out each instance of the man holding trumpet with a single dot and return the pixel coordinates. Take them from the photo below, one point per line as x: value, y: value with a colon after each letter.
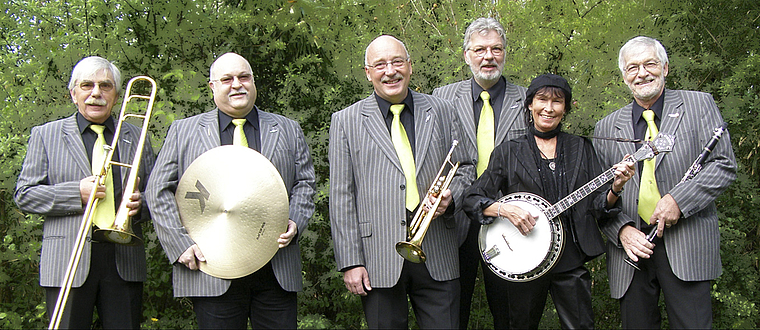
x: 56, y: 181
x: 384, y: 151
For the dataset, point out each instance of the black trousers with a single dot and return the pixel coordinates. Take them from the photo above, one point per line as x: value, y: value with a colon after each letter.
x: 469, y: 260
x: 571, y: 293
x: 688, y: 304
x: 119, y: 302
x: 435, y: 303
x: 258, y: 297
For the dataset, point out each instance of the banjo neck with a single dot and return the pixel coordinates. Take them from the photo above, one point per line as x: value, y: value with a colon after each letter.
x: 662, y: 143
x: 581, y: 193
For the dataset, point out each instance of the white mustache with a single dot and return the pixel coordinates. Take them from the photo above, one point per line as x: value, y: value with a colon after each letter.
x: 395, y: 77
x: 95, y: 102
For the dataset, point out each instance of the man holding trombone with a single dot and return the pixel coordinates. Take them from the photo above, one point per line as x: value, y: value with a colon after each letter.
x: 56, y: 181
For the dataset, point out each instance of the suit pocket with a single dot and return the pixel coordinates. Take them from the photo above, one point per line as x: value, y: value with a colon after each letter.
x: 365, y: 229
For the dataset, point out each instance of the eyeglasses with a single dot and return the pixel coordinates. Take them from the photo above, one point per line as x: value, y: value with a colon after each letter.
x: 396, y: 63
x: 633, y: 69
x: 87, y: 85
x: 481, y: 51
x: 243, y: 78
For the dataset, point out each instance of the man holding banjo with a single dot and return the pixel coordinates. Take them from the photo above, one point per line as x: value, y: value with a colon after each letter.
x: 546, y: 165
x: 268, y: 295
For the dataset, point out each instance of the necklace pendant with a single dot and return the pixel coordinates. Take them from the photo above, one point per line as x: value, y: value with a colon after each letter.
x: 552, y: 166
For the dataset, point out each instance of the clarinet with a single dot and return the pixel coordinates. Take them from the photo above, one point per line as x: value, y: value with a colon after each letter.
x: 690, y: 173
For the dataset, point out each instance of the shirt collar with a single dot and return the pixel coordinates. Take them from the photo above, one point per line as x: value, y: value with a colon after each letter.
x: 83, y: 123
x: 656, y: 107
x: 385, y: 106
x: 251, y: 118
x: 497, y: 89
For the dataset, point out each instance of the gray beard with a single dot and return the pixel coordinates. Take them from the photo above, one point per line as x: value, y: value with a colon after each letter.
x: 487, y: 77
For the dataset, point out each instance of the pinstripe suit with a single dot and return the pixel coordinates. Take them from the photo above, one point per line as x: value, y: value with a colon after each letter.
x: 511, y: 125
x: 511, y: 122
x: 693, y: 243
x: 282, y: 142
x: 367, y: 211
x: 55, y: 162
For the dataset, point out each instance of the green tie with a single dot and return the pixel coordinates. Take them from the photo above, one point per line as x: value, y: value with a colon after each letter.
x: 238, y: 136
x: 649, y: 195
x: 485, y: 134
x: 405, y: 156
x: 105, y: 212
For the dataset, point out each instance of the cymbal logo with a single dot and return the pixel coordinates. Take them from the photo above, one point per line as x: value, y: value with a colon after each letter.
x: 201, y: 195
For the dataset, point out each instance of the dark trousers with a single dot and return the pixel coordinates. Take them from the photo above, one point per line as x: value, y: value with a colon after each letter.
x: 119, y: 302
x: 688, y: 304
x: 469, y: 260
x: 258, y: 297
x: 435, y: 303
x: 571, y: 293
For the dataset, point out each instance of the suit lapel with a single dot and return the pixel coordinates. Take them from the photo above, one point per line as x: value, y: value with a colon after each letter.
x: 423, y: 128
x: 270, y: 133
x: 208, y: 130
x: 524, y: 157
x: 463, y: 106
x: 126, y: 145
x: 73, y: 140
x: 510, y: 109
x: 572, y: 158
x: 672, y: 113
x: 624, y: 130
x: 374, y: 123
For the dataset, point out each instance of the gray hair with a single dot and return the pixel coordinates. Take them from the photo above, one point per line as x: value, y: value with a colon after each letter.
x: 88, y: 66
x: 366, y: 62
x: 482, y: 26
x: 638, y: 42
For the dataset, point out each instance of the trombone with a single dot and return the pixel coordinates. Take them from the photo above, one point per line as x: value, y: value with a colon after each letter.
x: 121, y: 230
x: 411, y: 248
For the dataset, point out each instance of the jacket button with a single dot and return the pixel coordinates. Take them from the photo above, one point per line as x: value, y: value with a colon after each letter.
x: 402, y: 187
x: 403, y: 223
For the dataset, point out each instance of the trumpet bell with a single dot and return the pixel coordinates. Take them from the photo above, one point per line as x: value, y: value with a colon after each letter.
x: 411, y: 252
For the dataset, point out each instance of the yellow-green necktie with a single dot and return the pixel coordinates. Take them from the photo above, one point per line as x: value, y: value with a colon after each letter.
x: 105, y: 213
x: 485, y: 134
x: 405, y: 156
x: 649, y: 195
x: 238, y: 136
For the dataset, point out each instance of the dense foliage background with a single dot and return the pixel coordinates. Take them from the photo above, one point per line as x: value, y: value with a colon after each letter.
x: 307, y: 58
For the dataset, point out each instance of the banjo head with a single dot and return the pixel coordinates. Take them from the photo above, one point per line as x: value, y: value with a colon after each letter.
x: 515, y: 257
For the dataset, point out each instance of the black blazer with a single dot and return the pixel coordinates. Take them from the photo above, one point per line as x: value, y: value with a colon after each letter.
x: 513, y: 169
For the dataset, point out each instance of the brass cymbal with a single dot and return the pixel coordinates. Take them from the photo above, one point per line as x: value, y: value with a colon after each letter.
x: 234, y: 205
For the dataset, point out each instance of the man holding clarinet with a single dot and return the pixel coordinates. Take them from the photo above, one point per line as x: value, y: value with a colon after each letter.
x: 684, y: 256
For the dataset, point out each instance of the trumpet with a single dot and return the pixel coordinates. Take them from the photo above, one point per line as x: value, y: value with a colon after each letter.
x: 411, y: 249
x: 121, y: 230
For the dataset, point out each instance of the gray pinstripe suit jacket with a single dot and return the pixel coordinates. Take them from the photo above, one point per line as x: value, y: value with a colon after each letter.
x: 55, y: 162
x: 367, y: 193
x: 511, y: 125
x: 282, y: 142
x: 693, y: 243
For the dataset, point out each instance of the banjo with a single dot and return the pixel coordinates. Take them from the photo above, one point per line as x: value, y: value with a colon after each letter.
x: 518, y: 258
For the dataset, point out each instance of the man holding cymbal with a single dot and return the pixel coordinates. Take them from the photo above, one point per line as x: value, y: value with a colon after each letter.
x: 268, y: 296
